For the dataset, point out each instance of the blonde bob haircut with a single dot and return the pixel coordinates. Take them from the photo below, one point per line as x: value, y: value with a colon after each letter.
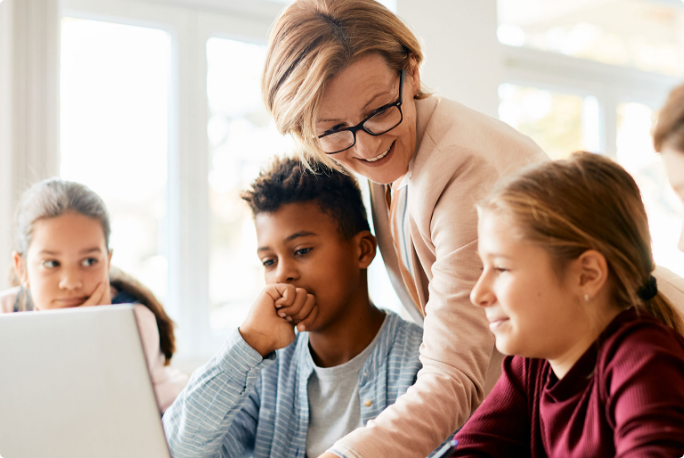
x: 315, y: 40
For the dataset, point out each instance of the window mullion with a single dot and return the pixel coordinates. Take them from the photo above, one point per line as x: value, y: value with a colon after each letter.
x: 189, y: 225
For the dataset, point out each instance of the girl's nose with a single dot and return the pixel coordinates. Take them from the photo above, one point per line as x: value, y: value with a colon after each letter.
x: 482, y: 295
x: 71, y: 280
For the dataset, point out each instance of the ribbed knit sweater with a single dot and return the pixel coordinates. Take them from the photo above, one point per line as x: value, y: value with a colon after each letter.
x: 624, y: 397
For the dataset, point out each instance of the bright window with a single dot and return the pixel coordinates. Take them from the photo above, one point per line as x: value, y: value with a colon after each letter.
x: 563, y: 123
x: 242, y: 139
x: 635, y: 33
x: 560, y: 123
x: 114, y: 134
x: 635, y: 153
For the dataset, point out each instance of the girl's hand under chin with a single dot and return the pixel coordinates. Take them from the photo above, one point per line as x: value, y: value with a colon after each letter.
x: 101, y: 296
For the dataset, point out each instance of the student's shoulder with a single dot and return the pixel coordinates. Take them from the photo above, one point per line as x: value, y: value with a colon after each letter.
x: 402, y: 333
x: 634, y: 337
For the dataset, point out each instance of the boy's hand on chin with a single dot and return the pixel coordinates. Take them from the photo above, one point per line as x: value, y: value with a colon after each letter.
x: 272, y: 318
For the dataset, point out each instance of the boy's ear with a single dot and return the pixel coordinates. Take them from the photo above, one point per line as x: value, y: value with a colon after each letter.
x: 20, y: 268
x: 367, y: 248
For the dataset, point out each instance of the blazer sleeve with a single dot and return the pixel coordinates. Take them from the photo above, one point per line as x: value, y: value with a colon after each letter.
x: 457, y: 344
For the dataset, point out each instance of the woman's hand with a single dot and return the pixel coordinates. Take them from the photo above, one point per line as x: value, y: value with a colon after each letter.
x: 328, y: 455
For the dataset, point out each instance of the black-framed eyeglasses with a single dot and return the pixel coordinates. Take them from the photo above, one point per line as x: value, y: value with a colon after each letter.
x: 384, y: 119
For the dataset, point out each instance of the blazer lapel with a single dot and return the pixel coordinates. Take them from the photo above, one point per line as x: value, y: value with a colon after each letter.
x: 381, y: 224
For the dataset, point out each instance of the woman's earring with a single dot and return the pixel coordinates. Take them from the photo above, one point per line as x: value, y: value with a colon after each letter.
x: 586, y: 298
x: 420, y: 93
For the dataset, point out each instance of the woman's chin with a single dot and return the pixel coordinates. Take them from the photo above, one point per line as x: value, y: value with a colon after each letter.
x: 386, y: 175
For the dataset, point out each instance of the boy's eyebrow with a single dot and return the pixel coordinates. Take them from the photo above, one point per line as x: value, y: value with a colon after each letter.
x: 299, y: 234
x: 290, y: 238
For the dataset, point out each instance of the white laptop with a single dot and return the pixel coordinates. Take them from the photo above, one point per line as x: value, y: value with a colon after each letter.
x: 74, y: 384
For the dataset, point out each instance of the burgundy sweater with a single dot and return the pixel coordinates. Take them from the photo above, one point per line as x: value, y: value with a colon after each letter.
x: 624, y: 397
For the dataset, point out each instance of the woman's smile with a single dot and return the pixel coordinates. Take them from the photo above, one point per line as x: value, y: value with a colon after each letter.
x: 381, y: 159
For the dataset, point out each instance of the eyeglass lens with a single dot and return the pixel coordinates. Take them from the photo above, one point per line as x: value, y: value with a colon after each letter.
x: 378, y: 124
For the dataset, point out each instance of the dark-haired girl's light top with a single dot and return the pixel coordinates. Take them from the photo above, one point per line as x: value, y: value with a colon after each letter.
x: 623, y: 398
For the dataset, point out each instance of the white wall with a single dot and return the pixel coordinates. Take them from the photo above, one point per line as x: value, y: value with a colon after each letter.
x: 29, y: 105
x: 463, y: 59
x: 5, y: 137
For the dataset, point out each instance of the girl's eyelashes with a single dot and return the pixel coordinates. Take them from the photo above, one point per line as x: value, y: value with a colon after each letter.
x: 89, y: 262
x: 501, y: 269
x: 267, y: 262
x: 51, y: 263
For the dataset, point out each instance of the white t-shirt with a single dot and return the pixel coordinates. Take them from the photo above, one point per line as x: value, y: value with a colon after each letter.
x: 334, y: 404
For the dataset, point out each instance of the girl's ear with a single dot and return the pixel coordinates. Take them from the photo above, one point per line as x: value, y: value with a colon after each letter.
x: 593, y: 273
x: 20, y: 268
x: 367, y: 248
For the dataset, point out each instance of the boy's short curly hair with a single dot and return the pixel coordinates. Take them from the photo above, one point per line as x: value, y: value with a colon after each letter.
x: 287, y: 180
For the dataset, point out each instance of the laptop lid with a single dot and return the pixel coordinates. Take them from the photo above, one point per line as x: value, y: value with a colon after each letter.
x: 74, y: 384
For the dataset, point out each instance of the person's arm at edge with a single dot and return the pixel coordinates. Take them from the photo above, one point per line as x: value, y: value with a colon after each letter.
x: 197, y: 423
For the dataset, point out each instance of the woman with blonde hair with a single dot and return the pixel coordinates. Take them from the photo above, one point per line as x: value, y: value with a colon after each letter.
x: 568, y: 287
x: 343, y: 78
x: 62, y: 259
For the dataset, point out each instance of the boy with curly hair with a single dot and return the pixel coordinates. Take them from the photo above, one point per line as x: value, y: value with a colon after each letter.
x: 274, y: 392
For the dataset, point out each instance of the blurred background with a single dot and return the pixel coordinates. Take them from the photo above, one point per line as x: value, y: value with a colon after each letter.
x: 155, y: 104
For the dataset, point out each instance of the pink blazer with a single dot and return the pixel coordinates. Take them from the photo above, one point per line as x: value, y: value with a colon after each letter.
x: 460, y: 154
x: 167, y: 382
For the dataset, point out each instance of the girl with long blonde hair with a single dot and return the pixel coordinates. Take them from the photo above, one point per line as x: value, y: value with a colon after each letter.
x: 596, y: 353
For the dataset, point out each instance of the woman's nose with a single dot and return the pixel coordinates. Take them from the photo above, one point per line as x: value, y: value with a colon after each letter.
x: 482, y: 295
x: 287, y: 272
x: 71, y: 279
x: 367, y: 146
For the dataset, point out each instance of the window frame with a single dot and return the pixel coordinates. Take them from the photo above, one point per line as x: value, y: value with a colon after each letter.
x: 188, y: 215
x: 610, y: 84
